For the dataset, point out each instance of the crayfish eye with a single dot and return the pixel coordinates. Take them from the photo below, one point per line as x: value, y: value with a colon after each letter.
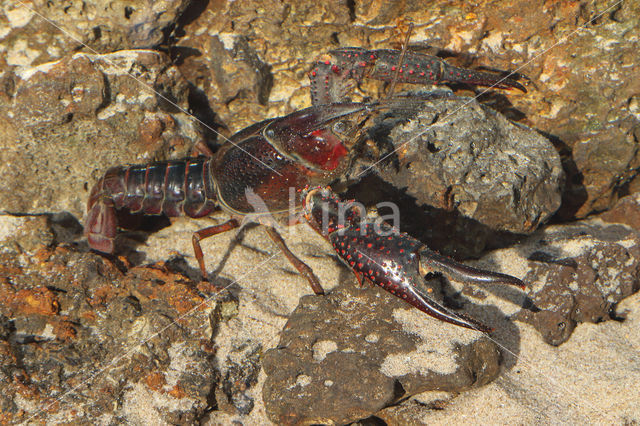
x: 340, y: 127
x: 270, y: 133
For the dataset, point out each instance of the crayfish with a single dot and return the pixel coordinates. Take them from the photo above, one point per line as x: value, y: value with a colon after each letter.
x: 302, y: 152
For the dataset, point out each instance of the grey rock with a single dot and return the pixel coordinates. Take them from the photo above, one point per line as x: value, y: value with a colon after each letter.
x: 353, y: 352
x: 242, y: 368
x: 455, y: 154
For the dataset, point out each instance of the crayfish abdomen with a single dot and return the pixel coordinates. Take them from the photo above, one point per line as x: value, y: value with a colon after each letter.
x: 174, y: 188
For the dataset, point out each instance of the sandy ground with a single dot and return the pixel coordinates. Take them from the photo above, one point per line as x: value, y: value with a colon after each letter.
x: 590, y: 379
x: 593, y: 378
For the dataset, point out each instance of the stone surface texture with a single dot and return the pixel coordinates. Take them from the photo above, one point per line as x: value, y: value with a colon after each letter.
x: 137, y: 337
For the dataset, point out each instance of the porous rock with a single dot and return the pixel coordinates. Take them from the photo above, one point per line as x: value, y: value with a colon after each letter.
x: 355, y: 351
x: 457, y: 154
x: 576, y: 273
x: 83, y: 341
x: 40, y: 31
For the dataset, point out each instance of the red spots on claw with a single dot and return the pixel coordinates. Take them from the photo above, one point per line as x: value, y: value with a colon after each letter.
x: 410, y: 71
x: 313, y: 73
x: 393, y: 68
x: 327, y: 62
x: 335, y: 69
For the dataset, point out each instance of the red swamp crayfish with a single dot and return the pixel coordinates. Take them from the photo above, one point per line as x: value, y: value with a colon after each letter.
x: 306, y: 150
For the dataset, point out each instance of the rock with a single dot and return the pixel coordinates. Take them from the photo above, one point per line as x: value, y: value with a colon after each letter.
x: 595, y: 125
x: 242, y: 368
x: 77, y: 334
x: 231, y: 84
x: 457, y: 154
x: 589, y: 379
x: 249, y: 60
x: 590, y: 111
x: 577, y: 273
x: 41, y: 31
x: 626, y: 211
x: 68, y: 121
x: 353, y: 352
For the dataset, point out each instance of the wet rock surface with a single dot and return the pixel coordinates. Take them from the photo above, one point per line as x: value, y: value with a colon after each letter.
x: 72, y: 324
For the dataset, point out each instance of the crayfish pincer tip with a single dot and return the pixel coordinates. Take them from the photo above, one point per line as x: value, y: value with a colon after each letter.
x: 508, y: 279
x: 520, y: 87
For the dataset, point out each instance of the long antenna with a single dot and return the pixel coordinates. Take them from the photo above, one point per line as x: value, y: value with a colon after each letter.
x: 400, y: 61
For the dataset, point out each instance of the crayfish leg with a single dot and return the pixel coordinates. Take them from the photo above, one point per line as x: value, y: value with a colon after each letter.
x: 304, y: 269
x: 206, y: 233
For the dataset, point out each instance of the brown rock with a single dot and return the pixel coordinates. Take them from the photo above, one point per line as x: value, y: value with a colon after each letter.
x: 94, y: 335
x: 577, y: 273
x: 351, y: 353
x: 626, y: 210
x: 41, y: 31
x: 68, y: 121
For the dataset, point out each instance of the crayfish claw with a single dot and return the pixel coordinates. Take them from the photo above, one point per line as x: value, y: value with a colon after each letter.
x: 412, y: 295
x: 393, y: 260
x: 430, y: 261
x: 332, y: 73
